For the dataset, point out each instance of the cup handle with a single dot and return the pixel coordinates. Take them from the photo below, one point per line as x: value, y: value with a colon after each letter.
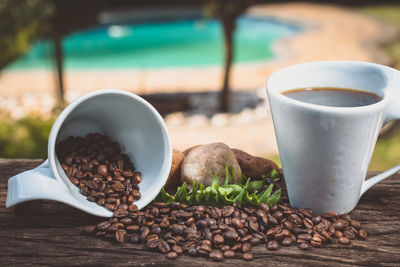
x: 393, y: 112
x: 37, y: 183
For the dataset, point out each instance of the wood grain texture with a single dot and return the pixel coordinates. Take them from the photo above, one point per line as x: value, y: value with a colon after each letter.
x: 50, y: 233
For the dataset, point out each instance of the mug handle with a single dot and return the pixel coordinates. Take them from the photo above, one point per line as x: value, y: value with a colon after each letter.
x: 393, y: 112
x: 39, y: 183
x: 34, y: 184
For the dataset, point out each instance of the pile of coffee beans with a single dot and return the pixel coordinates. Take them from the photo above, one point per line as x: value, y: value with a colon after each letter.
x: 105, y: 175
x: 226, y: 232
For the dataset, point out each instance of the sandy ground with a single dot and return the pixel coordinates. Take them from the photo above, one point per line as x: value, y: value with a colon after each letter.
x: 332, y: 33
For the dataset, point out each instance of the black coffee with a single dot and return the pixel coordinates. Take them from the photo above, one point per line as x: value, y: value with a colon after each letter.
x: 334, y: 97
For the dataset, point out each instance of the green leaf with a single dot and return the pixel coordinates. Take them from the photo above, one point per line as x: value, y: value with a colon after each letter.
x: 226, y: 175
x: 253, y: 186
x: 233, y: 172
x: 263, y: 196
x: 163, y: 196
x: 274, y: 198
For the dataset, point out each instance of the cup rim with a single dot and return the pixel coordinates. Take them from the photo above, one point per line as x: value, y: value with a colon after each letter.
x: 65, y: 113
x: 330, y: 109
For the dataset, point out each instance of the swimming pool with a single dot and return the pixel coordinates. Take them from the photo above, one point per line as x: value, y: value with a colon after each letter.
x: 158, y: 45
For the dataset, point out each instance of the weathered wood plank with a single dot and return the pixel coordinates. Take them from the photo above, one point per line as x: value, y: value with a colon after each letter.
x: 47, y: 233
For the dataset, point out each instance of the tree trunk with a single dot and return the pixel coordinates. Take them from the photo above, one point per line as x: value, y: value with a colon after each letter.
x: 228, y: 28
x: 58, y: 56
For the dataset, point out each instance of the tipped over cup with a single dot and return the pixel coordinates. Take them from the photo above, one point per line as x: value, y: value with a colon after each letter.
x: 123, y: 117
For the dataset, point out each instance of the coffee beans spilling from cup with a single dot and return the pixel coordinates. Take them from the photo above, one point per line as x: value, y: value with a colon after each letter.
x: 101, y: 171
x: 226, y: 232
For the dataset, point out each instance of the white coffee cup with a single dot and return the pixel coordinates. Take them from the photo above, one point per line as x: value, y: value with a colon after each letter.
x: 122, y: 116
x: 325, y: 151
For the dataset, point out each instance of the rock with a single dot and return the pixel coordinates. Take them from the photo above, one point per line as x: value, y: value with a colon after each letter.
x: 187, y: 150
x: 174, y: 178
x: 201, y: 161
x: 253, y: 167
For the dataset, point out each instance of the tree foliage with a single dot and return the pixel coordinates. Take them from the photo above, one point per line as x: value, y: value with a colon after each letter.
x: 21, y: 23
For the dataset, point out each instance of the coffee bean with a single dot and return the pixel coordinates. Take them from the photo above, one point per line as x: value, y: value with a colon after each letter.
x: 246, y: 247
x: 248, y: 256
x: 316, y: 241
x: 304, y: 236
x: 192, y: 251
x: 163, y: 247
x: 316, y: 220
x: 343, y: 240
x: 119, y: 213
x: 230, y: 236
x: 349, y: 234
x: 144, y: 232
x: 346, y: 217
x: 216, y: 255
x: 362, y: 234
x: 102, y: 170
x: 237, y: 223
x: 120, y: 236
x: 177, y: 249
x: 172, y: 255
x: 227, y: 211
x: 338, y: 225
x: 134, y: 239
x: 103, y: 225
x: 273, y: 245
x: 338, y: 234
x: 90, y: 229
x: 355, y: 224
x: 229, y: 254
x: 132, y: 228
x: 287, y: 241
x: 304, y: 246
x: 218, y: 239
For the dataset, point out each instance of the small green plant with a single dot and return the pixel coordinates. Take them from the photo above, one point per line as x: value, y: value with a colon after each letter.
x: 245, y: 193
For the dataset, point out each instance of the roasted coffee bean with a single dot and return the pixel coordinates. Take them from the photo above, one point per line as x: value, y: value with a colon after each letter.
x: 144, y: 233
x: 316, y: 220
x: 119, y: 213
x: 102, y: 170
x: 90, y: 229
x: 339, y: 225
x: 230, y: 236
x: 304, y: 236
x: 177, y: 249
x: 246, y: 247
x: 248, y: 256
x: 343, y: 240
x: 362, y: 234
x: 163, y: 247
x: 316, y: 241
x: 216, y: 255
x: 227, y: 211
x: 308, y: 223
x: 132, y: 228
x: 103, y: 225
x: 236, y: 222
x: 330, y: 214
x: 229, y: 254
x: 273, y: 245
x: 172, y: 255
x: 355, y: 224
x: 218, y: 240
x: 192, y: 251
x: 338, y: 234
x: 304, y: 246
x: 134, y: 239
x: 287, y: 241
x: 120, y: 236
x: 349, y: 234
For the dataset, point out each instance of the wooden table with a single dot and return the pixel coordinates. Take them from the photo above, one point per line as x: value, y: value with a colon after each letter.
x: 47, y: 233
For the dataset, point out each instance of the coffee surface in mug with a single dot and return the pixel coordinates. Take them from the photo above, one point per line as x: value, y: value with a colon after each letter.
x: 334, y: 97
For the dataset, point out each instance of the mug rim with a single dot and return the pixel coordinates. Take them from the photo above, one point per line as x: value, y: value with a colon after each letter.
x: 331, y: 109
x: 76, y: 102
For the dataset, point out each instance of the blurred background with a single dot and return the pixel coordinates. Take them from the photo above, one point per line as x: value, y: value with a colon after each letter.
x: 202, y: 64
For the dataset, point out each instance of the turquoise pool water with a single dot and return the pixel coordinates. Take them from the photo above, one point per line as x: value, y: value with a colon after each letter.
x: 158, y: 45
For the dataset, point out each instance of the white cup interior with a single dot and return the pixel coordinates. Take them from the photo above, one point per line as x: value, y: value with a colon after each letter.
x: 341, y: 74
x: 133, y: 123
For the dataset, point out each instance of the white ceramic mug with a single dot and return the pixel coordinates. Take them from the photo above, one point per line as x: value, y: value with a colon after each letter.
x: 122, y: 116
x: 325, y: 151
